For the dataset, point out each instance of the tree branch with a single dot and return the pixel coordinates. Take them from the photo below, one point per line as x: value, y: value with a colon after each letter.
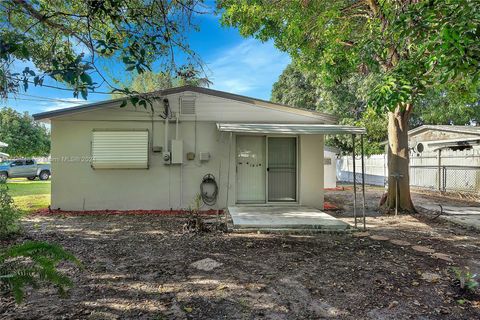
x: 44, y: 18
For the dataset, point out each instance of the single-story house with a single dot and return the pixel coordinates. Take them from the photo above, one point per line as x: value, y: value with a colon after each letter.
x: 430, y: 138
x: 255, y: 151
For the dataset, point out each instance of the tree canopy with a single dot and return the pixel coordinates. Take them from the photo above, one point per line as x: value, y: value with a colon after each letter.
x: 347, y: 100
x: 149, y: 81
x: 406, y: 47
x: 68, y: 40
x: 305, y: 89
x: 24, y: 136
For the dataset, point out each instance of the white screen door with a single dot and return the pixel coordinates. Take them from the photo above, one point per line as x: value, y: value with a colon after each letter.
x: 250, y: 169
x: 282, y: 169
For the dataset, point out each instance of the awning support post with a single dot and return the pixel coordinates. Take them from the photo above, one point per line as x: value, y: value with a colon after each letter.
x: 229, y: 167
x: 354, y: 182
x: 363, y: 183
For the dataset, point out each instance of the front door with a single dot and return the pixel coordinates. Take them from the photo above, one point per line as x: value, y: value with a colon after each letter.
x: 251, y: 169
x: 282, y: 169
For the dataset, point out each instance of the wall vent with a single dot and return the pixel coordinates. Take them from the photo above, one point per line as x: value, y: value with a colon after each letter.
x: 187, y: 106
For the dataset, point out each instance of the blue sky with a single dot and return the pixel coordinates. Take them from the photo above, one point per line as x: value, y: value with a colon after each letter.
x: 233, y: 64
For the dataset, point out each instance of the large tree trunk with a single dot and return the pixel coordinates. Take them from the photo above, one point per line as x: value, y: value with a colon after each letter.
x: 398, y: 160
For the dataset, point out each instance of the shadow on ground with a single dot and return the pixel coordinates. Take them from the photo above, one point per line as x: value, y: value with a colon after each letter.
x: 139, y: 267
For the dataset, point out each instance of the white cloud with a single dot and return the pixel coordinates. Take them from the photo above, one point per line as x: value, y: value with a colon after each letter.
x: 249, y: 68
x: 62, y: 103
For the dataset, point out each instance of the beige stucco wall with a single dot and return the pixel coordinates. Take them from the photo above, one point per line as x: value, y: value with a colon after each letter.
x: 311, y: 171
x: 76, y: 186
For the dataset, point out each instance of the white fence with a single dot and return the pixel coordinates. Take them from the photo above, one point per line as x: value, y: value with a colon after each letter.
x: 375, y: 169
x: 456, y: 171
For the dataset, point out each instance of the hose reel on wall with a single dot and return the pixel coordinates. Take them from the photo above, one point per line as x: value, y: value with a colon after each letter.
x: 209, y: 189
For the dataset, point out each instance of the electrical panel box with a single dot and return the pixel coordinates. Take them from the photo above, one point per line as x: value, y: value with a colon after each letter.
x: 176, y: 149
x: 204, y: 156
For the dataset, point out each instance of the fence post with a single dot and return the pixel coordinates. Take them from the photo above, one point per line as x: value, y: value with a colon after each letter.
x: 444, y: 178
x: 439, y: 159
x: 354, y: 182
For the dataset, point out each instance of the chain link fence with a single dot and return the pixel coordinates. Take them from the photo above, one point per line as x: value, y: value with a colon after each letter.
x: 449, y: 178
x: 457, y: 171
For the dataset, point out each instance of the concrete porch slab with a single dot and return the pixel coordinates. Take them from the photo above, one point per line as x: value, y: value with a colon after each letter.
x: 282, y: 217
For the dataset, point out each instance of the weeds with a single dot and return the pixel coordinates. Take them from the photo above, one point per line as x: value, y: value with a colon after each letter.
x: 195, y: 221
x: 466, y: 279
x: 9, y: 213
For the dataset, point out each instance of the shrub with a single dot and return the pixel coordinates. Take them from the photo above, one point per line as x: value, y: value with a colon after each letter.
x: 33, y: 264
x: 9, y: 213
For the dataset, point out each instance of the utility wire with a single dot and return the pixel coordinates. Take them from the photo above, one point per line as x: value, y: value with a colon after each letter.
x: 51, y: 99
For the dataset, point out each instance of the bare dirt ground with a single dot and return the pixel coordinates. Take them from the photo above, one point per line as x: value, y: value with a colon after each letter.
x: 139, y: 267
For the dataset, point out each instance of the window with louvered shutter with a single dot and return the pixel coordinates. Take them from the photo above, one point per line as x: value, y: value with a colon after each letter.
x: 126, y: 149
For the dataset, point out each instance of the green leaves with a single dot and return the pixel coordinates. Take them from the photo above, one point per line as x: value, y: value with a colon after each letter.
x: 70, y: 41
x: 345, y: 99
x: 413, y: 47
x: 391, y: 92
x: 33, y: 264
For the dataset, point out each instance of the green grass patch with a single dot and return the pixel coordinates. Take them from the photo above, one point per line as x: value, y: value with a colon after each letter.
x: 32, y: 203
x: 30, y: 195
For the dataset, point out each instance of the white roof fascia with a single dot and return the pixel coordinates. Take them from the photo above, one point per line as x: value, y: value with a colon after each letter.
x: 282, y: 128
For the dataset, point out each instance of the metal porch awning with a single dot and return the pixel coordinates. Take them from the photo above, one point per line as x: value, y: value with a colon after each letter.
x: 454, y: 143
x: 289, y: 128
x: 303, y: 128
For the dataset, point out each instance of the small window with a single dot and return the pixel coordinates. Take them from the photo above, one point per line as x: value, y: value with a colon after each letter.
x: 327, y: 161
x: 120, y: 149
x: 29, y: 162
x: 17, y: 163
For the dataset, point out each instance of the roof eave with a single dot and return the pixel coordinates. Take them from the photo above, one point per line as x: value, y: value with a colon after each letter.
x: 327, y: 118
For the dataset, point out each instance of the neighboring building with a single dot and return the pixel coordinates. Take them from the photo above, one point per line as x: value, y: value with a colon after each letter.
x: 106, y: 157
x: 430, y: 138
x: 3, y: 155
x: 442, y: 157
x: 330, y: 156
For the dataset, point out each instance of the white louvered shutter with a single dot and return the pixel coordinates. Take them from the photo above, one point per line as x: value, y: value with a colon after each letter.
x: 120, y: 149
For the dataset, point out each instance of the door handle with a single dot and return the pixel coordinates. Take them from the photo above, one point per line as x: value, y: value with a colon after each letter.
x: 268, y: 169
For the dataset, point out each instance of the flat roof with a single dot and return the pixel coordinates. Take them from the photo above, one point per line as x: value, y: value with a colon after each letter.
x: 284, y: 128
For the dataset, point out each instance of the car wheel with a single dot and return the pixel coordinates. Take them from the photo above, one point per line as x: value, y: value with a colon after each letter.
x: 44, y: 175
x: 3, y: 176
x: 31, y: 178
